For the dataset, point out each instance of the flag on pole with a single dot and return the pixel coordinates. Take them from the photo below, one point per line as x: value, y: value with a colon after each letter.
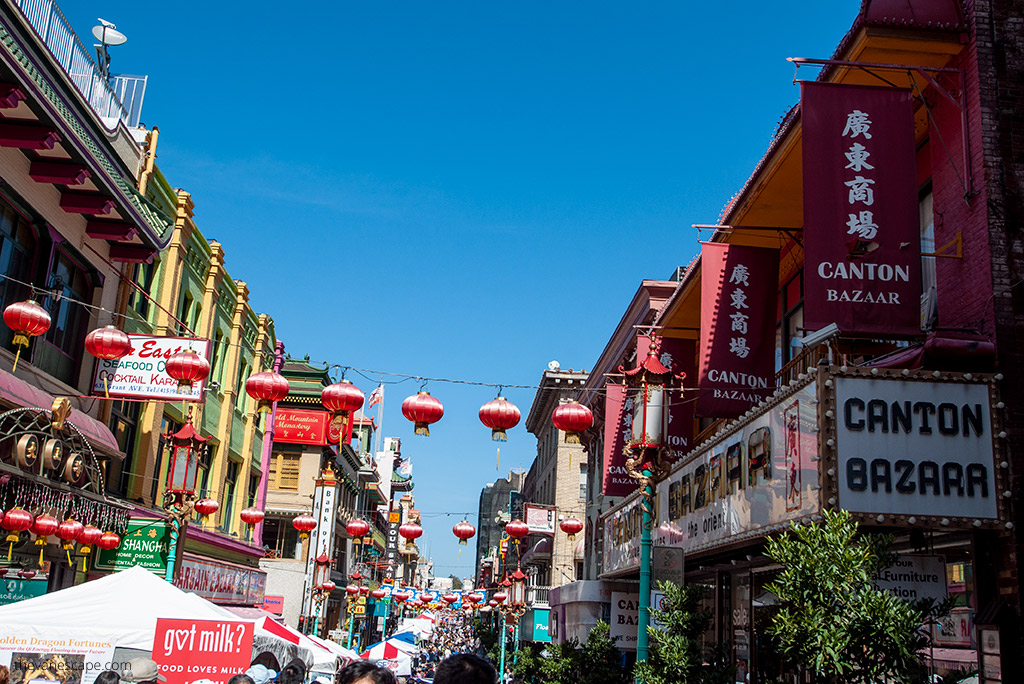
x: 405, y: 467
x: 377, y: 395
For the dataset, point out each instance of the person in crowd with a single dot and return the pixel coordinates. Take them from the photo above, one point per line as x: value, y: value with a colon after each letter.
x: 293, y: 673
x: 365, y: 672
x: 108, y: 677
x: 465, y: 668
x: 5, y: 675
x: 141, y: 671
x: 267, y: 660
x: 241, y: 678
x: 261, y: 674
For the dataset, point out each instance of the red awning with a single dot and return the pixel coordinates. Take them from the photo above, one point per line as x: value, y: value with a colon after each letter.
x: 19, y: 393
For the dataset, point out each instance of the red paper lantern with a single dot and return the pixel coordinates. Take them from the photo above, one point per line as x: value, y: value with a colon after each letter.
x: 266, y: 388
x: 90, y: 535
x: 251, y: 516
x: 108, y: 343
x: 492, y: 603
x: 357, y: 528
x: 26, y: 319
x: 402, y: 596
x: 305, y: 524
x: 69, y: 531
x: 109, y: 541
x: 500, y: 415
x: 517, y: 529
x: 342, y: 397
x: 187, y: 367
x: 378, y: 594
x: 26, y: 574
x: 463, y: 531
x: 364, y: 590
x: 572, y: 418
x: 328, y: 586
x: 410, y: 531
x: 426, y: 597
x: 17, y: 520
x: 44, y: 526
x: 571, y: 526
x: 449, y: 598
x: 206, y: 507
x: 352, y: 590
x: 422, y: 409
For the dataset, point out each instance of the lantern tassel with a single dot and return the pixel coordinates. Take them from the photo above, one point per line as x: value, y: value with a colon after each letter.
x: 17, y: 355
x: 106, y: 387
x: 460, y: 554
x: 498, y: 435
x: 422, y: 429
x: 497, y: 463
x: 68, y: 552
x: 572, y: 438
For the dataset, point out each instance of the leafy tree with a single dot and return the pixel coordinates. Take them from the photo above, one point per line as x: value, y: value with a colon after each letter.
x: 527, y: 664
x: 456, y: 582
x: 676, y: 653
x: 834, y: 621
x: 601, y: 661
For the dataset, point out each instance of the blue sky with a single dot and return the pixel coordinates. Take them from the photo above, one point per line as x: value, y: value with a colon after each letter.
x: 463, y: 190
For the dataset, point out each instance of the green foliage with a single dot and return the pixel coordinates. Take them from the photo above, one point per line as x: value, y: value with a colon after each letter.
x: 676, y: 653
x: 834, y: 621
x: 601, y: 661
x: 456, y: 582
x: 596, y: 661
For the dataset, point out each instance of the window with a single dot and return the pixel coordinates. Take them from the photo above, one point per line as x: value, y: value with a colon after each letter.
x: 790, y: 316
x: 230, y: 485
x: 184, y: 311
x: 284, y: 471
x: 17, y: 249
x: 60, y: 350
x: 203, y: 476
x: 240, y: 394
x: 281, y: 539
x: 583, y: 481
x: 929, y: 294
x: 137, y: 300
x: 124, y: 418
x: 216, y: 370
x: 254, y: 488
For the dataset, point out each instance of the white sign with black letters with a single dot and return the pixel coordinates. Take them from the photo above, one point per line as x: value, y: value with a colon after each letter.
x: 625, y: 615
x: 913, y: 578
x: 915, y: 448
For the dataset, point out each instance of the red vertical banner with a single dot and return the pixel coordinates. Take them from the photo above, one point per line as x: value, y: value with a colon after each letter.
x: 862, y: 264
x: 739, y: 288
x: 618, y: 427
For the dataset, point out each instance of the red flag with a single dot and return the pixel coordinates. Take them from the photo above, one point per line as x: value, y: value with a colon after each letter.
x: 739, y: 288
x: 862, y: 267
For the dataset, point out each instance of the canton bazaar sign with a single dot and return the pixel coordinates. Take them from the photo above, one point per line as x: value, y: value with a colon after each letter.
x: 142, y: 373
x: 222, y: 583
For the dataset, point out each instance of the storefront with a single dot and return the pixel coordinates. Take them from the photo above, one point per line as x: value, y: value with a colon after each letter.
x: 914, y: 454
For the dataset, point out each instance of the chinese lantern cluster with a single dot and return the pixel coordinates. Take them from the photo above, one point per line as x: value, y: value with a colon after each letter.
x: 26, y: 319
x: 70, y: 532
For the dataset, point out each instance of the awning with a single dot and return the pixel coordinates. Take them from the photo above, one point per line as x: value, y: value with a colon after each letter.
x: 579, y: 551
x: 946, y: 351
x: 19, y: 393
x: 950, y: 657
x: 541, y: 547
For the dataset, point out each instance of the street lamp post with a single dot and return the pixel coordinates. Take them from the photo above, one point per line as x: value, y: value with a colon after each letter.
x: 646, y: 452
x: 185, y: 447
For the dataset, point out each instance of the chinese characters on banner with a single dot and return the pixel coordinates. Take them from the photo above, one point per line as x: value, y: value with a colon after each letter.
x: 190, y: 650
x: 861, y: 234
x: 739, y: 286
x: 677, y: 354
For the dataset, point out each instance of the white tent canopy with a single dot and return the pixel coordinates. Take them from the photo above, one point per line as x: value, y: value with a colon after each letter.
x: 122, y: 609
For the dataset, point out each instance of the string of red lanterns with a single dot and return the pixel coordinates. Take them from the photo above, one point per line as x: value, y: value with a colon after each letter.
x: 423, y: 410
x: 572, y: 418
x: 571, y: 526
x: 187, y: 367
x: 305, y: 524
x: 266, y: 388
x: 26, y: 319
x: 464, y: 531
x: 500, y: 415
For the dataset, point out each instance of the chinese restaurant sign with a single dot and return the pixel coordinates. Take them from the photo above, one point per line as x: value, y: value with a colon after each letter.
x: 142, y: 373
x: 145, y: 543
x: 762, y: 472
x: 300, y: 426
x: 192, y: 650
x: 677, y: 355
x: 540, y: 519
x: 739, y: 287
x: 915, y: 448
x: 862, y: 238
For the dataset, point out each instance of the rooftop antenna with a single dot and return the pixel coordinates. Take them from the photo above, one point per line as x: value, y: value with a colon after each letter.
x: 108, y: 35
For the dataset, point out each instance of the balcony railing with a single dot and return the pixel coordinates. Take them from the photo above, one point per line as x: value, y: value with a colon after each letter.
x: 535, y: 595
x: 74, y: 57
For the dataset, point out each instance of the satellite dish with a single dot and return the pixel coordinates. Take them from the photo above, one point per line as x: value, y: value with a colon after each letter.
x: 108, y: 35
x: 553, y: 365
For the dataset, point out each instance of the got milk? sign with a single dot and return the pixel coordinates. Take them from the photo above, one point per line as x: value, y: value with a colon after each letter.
x: 188, y: 650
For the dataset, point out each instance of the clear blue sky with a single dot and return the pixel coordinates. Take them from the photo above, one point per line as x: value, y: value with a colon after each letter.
x: 460, y: 189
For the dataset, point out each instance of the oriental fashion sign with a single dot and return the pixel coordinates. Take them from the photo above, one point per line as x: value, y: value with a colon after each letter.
x: 759, y: 475
x: 142, y: 373
x: 917, y: 448
x: 737, y: 328
x: 861, y: 232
